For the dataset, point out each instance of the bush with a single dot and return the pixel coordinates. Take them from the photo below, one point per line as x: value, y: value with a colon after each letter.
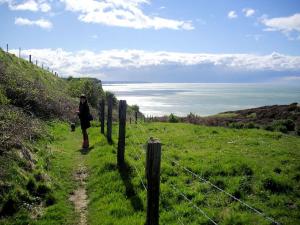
x: 237, y: 125
x: 251, y: 125
x: 43, y: 189
x: 10, y: 207
x: 173, y: 118
x: 31, y: 186
x: 283, y: 126
x: 289, y: 124
x: 50, y: 199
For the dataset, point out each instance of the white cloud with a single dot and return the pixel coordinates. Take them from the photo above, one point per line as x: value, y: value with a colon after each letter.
x: 45, y: 7
x: 122, y: 13
x: 95, y: 64
x: 28, y: 5
x: 232, y: 14
x: 42, y: 23
x: 287, y: 25
x: 248, y: 12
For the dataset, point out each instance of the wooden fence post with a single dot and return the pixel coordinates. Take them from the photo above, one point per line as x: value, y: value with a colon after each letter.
x: 130, y: 120
x: 153, y: 158
x: 109, y: 118
x: 136, y: 117
x: 102, y: 114
x: 6, y: 48
x: 36, y: 62
x: 19, y: 52
x: 122, y: 132
x: 30, y: 58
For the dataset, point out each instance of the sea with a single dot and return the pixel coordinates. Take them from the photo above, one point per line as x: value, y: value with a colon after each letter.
x: 158, y: 99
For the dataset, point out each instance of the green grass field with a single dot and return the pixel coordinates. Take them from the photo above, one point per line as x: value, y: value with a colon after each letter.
x: 259, y: 167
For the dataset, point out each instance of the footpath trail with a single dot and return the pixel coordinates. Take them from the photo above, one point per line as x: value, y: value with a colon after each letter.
x: 88, y: 187
x: 79, y: 196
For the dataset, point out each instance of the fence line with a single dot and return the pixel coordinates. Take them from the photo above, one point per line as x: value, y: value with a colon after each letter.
x: 225, y: 192
x: 194, y: 205
x: 263, y: 215
x: 30, y: 59
x: 176, y: 212
x: 138, y: 156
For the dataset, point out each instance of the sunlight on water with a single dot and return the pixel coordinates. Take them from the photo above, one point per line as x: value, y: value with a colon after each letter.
x: 203, y: 99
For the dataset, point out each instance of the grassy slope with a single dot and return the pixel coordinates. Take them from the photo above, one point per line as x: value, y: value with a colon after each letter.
x: 58, y: 157
x: 237, y: 160
x: 240, y: 161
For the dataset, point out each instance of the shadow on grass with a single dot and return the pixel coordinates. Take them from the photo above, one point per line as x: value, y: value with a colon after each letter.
x: 85, y: 151
x: 125, y: 172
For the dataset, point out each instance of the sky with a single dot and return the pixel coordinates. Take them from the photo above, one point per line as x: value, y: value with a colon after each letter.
x: 158, y: 40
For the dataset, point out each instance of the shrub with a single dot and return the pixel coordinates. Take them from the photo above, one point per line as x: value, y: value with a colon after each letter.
x: 251, y: 125
x: 289, y: 124
x: 237, y: 125
x: 10, y: 206
x: 269, y: 128
x: 173, y: 118
x: 43, y: 189
x: 50, y: 199
x: 31, y: 186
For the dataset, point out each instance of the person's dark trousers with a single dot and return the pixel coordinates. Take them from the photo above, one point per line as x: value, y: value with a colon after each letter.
x: 85, y: 143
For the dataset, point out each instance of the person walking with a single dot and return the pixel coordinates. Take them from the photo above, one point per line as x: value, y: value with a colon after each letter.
x: 85, y: 118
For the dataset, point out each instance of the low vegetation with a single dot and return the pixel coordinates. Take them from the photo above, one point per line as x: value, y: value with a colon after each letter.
x: 30, y: 99
x: 254, y: 165
x: 283, y: 118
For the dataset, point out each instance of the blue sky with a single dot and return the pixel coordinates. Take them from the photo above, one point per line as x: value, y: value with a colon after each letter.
x: 158, y: 40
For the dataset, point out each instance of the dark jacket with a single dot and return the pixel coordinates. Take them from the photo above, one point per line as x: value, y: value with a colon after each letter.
x: 84, y: 115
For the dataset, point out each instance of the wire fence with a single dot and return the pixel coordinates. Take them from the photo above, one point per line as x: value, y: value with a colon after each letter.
x: 30, y: 58
x: 146, y: 133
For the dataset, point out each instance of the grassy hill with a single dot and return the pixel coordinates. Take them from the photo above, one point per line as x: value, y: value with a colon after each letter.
x: 259, y: 167
x: 30, y: 98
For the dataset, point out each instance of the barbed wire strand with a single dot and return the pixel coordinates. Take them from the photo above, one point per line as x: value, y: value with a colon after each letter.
x: 176, y: 212
x: 194, y: 205
x: 225, y: 192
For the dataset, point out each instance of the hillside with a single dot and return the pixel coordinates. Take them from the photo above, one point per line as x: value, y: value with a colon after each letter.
x: 283, y: 118
x: 254, y: 165
x: 30, y: 98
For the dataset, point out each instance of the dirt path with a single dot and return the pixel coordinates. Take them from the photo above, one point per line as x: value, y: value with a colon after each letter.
x: 79, y: 196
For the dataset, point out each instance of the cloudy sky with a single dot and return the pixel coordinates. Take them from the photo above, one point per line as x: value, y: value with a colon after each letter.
x: 158, y: 40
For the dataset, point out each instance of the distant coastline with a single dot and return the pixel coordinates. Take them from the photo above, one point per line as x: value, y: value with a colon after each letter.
x: 204, y: 99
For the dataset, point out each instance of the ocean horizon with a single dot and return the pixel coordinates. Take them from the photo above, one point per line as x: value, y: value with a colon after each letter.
x: 204, y: 99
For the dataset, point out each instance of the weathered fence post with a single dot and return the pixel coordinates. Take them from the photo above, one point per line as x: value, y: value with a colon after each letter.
x: 102, y: 114
x: 7, y: 48
x: 109, y: 118
x: 19, y: 52
x: 153, y: 158
x: 36, y: 62
x: 122, y: 131
x: 42, y: 66
x: 30, y: 58
x: 136, y: 117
